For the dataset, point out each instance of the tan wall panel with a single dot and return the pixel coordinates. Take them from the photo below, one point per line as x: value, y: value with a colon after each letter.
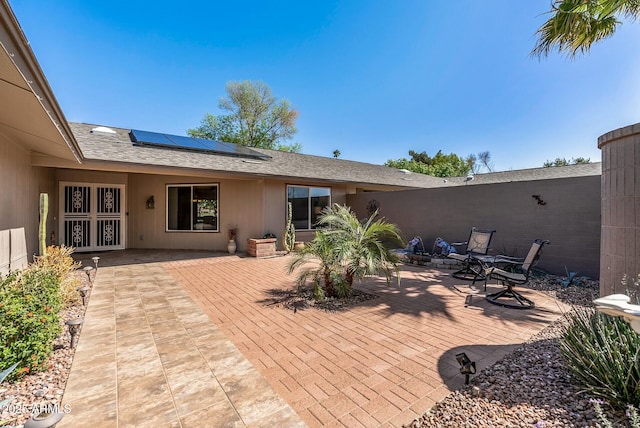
x: 570, y: 217
x: 20, y: 192
x: 240, y: 204
x: 83, y: 176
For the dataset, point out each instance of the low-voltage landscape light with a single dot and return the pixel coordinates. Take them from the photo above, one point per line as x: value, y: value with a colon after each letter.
x: 74, y: 329
x: 44, y: 420
x: 96, y: 259
x: 467, y: 367
x: 83, y: 293
x: 88, y: 270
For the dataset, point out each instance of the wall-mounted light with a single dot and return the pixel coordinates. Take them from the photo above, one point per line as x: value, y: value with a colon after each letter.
x: 467, y: 367
x: 151, y: 203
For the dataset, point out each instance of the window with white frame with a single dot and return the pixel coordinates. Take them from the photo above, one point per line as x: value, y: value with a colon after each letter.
x: 192, y: 207
x: 307, y: 204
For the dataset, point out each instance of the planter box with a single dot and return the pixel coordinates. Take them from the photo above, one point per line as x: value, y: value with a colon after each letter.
x: 261, y: 247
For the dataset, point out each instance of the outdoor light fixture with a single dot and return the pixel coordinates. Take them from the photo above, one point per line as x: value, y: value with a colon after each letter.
x: 83, y: 293
x: 87, y: 270
x: 96, y: 259
x: 74, y: 329
x: 151, y: 203
x: 618, y: 305
x: 44, y: 420
x: 467, y: 367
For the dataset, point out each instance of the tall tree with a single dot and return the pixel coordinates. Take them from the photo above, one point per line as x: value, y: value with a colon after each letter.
x: 564, y: 162
x: 575, y: 25
x: 254, y: 118
x: 439, y: 165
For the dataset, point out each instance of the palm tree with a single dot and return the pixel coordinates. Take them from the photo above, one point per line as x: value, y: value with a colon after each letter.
x: 317, y: 262
x: 575, y: 25
x: 345, y: 249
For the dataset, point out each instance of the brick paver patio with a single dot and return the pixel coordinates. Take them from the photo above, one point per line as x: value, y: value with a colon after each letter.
x: 382, y: 362
x: 188, y: 339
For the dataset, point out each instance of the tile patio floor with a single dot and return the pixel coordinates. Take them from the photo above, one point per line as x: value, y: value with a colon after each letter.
x: 189, y: 339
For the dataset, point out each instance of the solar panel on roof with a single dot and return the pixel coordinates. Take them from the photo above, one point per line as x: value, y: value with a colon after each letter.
x: 201, y: 145
x: 217, y: 146
x: 186, y: 142
x: 146, y: 137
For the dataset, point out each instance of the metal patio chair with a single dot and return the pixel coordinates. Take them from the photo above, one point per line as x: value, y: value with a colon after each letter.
x: 477, y: 245
x: 519, y: 276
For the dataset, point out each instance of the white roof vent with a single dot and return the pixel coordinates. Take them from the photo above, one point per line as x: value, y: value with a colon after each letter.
x: 103, y: 129
x: 405, y: 171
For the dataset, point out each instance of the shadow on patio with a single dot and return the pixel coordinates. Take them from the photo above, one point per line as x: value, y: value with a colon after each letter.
x: 382, y: 362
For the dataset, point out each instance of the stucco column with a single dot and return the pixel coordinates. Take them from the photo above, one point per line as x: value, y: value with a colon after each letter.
x: 620, y: 237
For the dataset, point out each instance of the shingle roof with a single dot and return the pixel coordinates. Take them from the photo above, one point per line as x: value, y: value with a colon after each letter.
x: 532, y: 174
x: 118, y: 148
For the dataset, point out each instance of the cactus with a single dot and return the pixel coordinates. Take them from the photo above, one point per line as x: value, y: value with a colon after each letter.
x: 289, y: 238
x: 42, y: 231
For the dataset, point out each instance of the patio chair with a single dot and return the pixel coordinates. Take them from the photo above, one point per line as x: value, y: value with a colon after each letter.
x: 511, y: 279
x: 477, y: 245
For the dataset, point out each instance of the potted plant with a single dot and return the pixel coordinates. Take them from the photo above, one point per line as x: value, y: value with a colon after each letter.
x: 231, y: 246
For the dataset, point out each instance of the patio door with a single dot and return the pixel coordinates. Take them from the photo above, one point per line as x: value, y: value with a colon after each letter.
x: 92, y: 216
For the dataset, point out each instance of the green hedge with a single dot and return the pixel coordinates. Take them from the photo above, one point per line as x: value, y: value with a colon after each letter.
x: 30, y: 305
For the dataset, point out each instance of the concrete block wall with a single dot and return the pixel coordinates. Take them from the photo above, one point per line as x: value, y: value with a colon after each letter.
x: 569, y: 217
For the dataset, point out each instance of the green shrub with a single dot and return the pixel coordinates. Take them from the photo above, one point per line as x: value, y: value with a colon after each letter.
x: 30, y: 304
x: 603, y: 353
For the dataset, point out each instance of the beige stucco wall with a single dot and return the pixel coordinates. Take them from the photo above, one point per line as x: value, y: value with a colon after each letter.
x: 20, y: 191
x: 240, y: 205
x: 620, y: 250
x: 255, y: 206
x: 570, y: 219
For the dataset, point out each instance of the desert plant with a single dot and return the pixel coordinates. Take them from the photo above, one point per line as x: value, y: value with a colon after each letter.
x: 29, y: 315
x: 603, y: 354
x: 362, y: 247
x: 3, y: 376
x: 59, y: 259
x: 345, y: 249
x: 289, y: 236
x: 317, y: 262
x: 42, y: 229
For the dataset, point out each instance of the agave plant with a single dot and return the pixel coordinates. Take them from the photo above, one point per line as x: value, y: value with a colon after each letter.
x: 3, y: 376
x: 345, y: 249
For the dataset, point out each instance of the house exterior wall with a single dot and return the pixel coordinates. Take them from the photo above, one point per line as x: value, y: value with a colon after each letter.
x: 275, y: 198
x: 255, y: 206
x: 240, y: 205
x: 20, y: 192
x: 570, y: 217
x: 620, y: 250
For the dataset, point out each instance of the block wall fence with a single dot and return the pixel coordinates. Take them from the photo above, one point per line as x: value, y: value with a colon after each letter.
x: 569, y: 217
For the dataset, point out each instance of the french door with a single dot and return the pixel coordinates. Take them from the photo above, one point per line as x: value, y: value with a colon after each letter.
x: 92, y: 216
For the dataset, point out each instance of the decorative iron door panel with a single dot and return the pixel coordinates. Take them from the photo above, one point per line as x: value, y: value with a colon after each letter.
x: 76, y: 216
x: 108, y: 217
x: 92, y: 216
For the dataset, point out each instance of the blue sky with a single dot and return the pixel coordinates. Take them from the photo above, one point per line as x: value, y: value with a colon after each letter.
x: 371, y: 78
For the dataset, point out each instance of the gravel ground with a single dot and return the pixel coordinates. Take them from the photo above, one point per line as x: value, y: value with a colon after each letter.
x: 43, y: 390
x: 530, y: 387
